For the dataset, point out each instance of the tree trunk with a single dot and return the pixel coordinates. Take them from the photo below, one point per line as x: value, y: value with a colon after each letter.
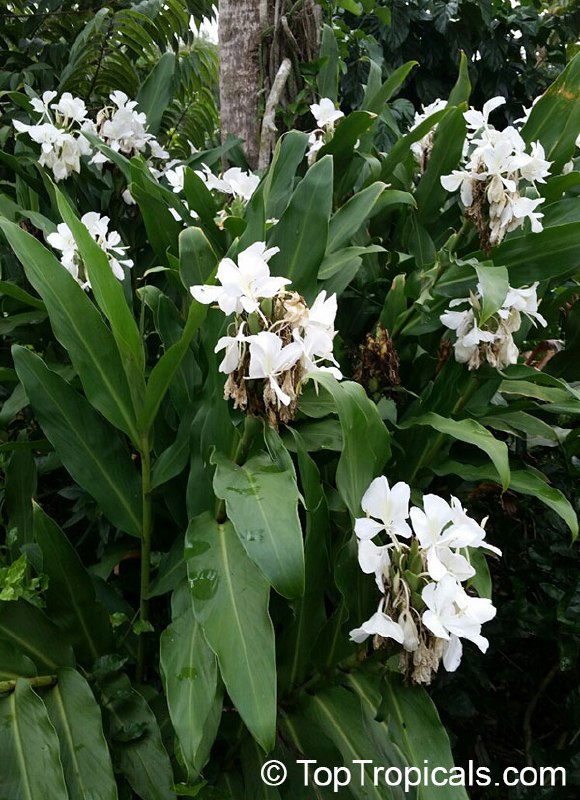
x: 240, y: 80
x: 249, y: 65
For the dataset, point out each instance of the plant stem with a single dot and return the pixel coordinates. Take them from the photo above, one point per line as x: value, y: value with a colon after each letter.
x: 146, y: 533
x: 36, y: 682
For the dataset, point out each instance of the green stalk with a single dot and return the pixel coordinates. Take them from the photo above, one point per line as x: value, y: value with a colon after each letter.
x: 36, y: 682
x: 146, y: 533
x: 251, y: 427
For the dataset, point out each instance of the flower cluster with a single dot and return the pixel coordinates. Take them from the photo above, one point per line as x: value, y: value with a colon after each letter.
x: 491, y: 181
x: 491, y: 339
x: 61, y: 126
x: 275, y: 338
x: 326, y: 114
x: 109, y: 241
x: 124, y: 130
x: 59, y: 132
x: 420, y: 570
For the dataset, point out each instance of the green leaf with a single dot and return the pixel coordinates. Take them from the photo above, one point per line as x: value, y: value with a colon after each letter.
x: 402, y: 147
x: 414, y: 725
x: 19, y: 489
x: 31, y: 765
x: 85, y: 757
x: 280, y: 178
x: 230, y: 601
x: 353, y: 214
x: 35, y: 635
x: 164, y: 371
x: 189, y: 672
x: 525, y: 481
x: 462, y: 89
x: 327, y: 78
x: 80, y: 329
x: 162, y: 229
x: 174, y: 459
x: 375, y: 104
x: 70, y: 596
x: 552, y: 253
x: 471, y: 432
x: 555, y: 119
x: 338, y: 262
x: 395, y: 303
x: 197, y: 259
x: 156, y: 93
x: 494, y: 283
x: 351, y: 6
x: 109, y: 295
x: 345, y: 137
x: 342, y: 718
x: 481, y: 581
x: 445, y: 156
x: 360, y: 421
x: 302, y: 231
x: 88, y: 448
x: 135, y: 739
x: 13, y: 663
x: 262, y: 503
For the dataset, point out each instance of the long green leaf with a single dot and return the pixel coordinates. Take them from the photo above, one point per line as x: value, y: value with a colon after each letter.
x: 156, y: 93
x: 166, y: 368
x: 189, y: 672
x: 31, y: 765
x: 111, y: 299
x: 85, y: 757
x: 342, y: 718
x: 471, y: 432
x: 302, y: 231
x: 89, y: 449
x: 80, y: 329
x: 524, y: 481
x: 351, y: 216
x: 32, y: 633
x: 555, y: 119
x: 230, y: 601
x: 279, y: 181
x: 415, y: 726
x: 360, y: 421
x: 70, y: 595
x: 262, y: 503
x: 135, y: 738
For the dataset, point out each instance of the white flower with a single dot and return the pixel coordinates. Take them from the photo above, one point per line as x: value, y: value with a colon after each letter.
x: 241, y: 184
x: 243, y: 285
x: 430, y: 526
x: 451, y: 611
x: 322, y: 313
x: 176, y: 178
x: 375, y: 560
x: 460, y: 179
x: 466, y: 529
x: 233, y: 346
x: 407, y: 624
x: 534, y: 167
x: 316, y: 346
x: 380, y: 624
x: 41, y: 106
x: 110, y: 242
x: 325, y: 113
x: 523, y: 207
x: 478, y: 119
x: 524, y: 300
x: 234, y: 181
x: 73, y: 109
x: 269, y: 359
x: 390, y: 506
